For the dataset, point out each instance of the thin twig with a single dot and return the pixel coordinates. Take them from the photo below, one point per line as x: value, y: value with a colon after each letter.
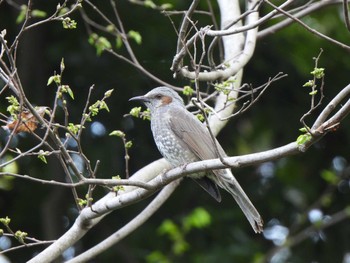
x: 184, y: 25
x: 346, y: 14
x: 313, y: 107
x: 87, y: 181
x: 313, y: 31
x: 305, y: 11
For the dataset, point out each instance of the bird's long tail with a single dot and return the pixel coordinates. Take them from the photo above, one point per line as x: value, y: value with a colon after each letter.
x: 226, y: 180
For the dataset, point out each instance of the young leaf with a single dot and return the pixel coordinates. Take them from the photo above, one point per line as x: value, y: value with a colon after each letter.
x: 55, y: 78
x: 117, y: 133
x: 108, y: 93
x: 135, y: 36
x: 135, y: 112
x: 304, y: 138
x: 128, y: 144
x: 39, y: 13
x: 200, y: 117
x: 42, y: 157
x: 188, y: 91
x: 119, y: 42
x: 22, y: 14
x: 69, y: 23
x: 313, y: 92
x: 318, y: 73
x: 70, y: 92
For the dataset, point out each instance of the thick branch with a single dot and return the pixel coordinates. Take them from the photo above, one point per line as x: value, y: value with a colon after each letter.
x: 236, y: 63
x: 91, y: 216
x: 138, y: 221
x: 331, y: 106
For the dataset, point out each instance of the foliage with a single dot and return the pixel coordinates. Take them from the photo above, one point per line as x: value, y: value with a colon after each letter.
x: 56, y: 123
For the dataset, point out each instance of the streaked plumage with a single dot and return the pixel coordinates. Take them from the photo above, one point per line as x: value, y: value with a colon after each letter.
x: 182, y: 138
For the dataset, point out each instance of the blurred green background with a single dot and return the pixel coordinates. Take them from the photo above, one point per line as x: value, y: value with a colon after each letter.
x: 284, y: 191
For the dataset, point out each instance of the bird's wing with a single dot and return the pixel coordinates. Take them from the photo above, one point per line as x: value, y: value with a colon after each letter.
x: 194, y: 134
x: 196, y: 137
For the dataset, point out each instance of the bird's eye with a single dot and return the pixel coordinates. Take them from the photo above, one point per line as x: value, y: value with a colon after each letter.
x: 158, y: 96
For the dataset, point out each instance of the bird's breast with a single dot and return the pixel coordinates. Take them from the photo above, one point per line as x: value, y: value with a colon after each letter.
x: 169, y: 145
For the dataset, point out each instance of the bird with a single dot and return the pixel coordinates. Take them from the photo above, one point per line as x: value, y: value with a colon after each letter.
x: 181, y: 139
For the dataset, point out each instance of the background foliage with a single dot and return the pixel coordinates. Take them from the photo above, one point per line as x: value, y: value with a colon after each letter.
x: 284, y: 191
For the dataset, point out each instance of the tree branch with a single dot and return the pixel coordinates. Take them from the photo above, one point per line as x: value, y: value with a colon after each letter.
x: 313, y: 31
x: 126, y: 230
x: 304, y: 11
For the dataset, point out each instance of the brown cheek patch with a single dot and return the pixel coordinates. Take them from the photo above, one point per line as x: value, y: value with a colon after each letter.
x: 166, y: 100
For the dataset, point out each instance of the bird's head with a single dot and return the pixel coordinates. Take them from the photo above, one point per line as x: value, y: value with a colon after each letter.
x: 159, y: 97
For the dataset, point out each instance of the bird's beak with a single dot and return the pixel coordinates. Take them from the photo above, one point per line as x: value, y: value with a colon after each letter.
x: 140, y: 98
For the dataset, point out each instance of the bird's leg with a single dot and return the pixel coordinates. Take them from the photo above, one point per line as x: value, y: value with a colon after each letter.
x: 162, y: 174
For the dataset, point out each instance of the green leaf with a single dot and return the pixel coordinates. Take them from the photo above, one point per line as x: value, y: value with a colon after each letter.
x: 103, y: 106
x: 22, y: 14
x: 42, y: 157
x: 187, y: 91
x: 157, y: 257
x: 168, y: 227
x: 82, y: 202
x: 93, y: 109
x: 14, y: 106
x: 87, y: 117
x: 135, y: 36
x: 5, y: 221
x: 118, y: 188
x: 63, y: 10
x: 166, y: 6
x: 92, y: 38
x: 98, y: 105
x: 310, y: 83
x: 69, y: 23
x: 200, y: 117
x: 62, y: 66
x: 70, y: 92
x: 39, y: 13
x: 12, y: 100
x: 110, y: 28
x: 135, y: 112
x: 74, y: 128
x: 119, y: 42
x: 20, y: 236
x: 67, y: 89
x: 55, y: 78
x: 318, y: 73
x: 146, y: 114
x: 117, y: 133
x: 128, y: 144
x: 50, y: 80
x: 199, y: 218
x: 304, y: 138
x: 330, y: 177
x: 313, y: 92
x: 108, y: 93
x: 100, y: 43
x: 150, y: 4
